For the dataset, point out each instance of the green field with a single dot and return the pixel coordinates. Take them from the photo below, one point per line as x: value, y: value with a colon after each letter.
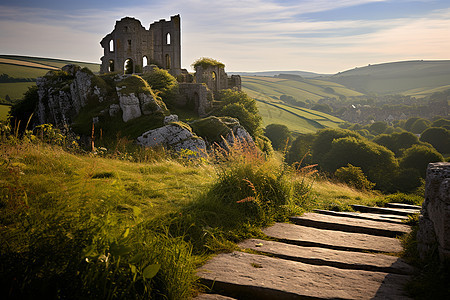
x: 415, y: 78
x: 58, y: 63
x: 15, y: 90
x: 4, y: 110
x: 298, y: 120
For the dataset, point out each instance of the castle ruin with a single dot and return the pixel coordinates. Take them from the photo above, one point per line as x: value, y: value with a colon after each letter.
x: 130, y: 44
x: 130, y: 49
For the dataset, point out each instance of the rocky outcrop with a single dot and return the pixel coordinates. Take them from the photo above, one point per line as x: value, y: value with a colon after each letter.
x: 434, y: 222
x: 63, y: 93
x: 176, y: 136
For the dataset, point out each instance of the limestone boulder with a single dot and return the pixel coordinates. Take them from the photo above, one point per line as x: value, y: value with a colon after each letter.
x: 176, y: 136
x: 130, y: 105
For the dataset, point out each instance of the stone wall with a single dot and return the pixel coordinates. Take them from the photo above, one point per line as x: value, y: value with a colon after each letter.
x: 195, y: 96
x: 160, y: 45
x: 434, y: 222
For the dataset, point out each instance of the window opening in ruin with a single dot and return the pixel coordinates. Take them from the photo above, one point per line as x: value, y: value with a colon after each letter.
x: 214, y: 79
x: 126, y: 28
x: 129, y: 44
x: 111, y: 65
x: 167, y: 61
x: 128, y: 66
x: 144, y: 61
x: 168, y: 39
x: 111, y: 46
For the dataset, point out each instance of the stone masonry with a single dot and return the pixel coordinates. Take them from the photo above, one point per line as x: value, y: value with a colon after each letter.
x: 159, y: 45
x: 434, y: 222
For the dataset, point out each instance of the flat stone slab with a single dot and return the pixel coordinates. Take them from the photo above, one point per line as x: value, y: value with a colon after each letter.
x: 250, y: 276
x: 351, y: 224
x: 329, y: 257
x: 403, y: 206
x: 332, y: 239
x: 396, y: 219
x: 385, y: 210
x: 212, y: 297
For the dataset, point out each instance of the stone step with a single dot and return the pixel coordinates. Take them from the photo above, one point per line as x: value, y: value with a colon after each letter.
x: 329, y: 257
x: 385, y: 210
x: 332, y: 239
x: 396, y: 219
x: 249, y: 276
x: 351, y: 224
x: 403, y: 206
x: 212, y: 297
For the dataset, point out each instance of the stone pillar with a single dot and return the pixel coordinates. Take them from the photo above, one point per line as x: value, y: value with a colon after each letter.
x: 434, y: 222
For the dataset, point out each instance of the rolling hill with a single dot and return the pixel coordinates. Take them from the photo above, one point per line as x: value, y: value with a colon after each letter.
x: 414, y: 78
x: 20, y: 67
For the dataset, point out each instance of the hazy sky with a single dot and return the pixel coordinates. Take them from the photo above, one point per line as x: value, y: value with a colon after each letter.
x: 324, y: 36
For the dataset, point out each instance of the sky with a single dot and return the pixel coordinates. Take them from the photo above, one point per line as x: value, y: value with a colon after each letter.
x: 322, y: 36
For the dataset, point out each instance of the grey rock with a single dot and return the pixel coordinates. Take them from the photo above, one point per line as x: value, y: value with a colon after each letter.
x: 249, y: 276
x: 332, y: 239
x: 351, y: 224
x: 330, y: 257
x: 170, y: 119
x: 130, y: 106
x: 114, y: 109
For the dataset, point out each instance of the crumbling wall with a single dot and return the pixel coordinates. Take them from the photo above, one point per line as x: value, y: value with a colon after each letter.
x: 216, y: 79
x: 195, y: 96
x: 434, y: 222
x: 160, y: 45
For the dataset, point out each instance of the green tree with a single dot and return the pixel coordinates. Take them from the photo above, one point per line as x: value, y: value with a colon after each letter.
x: 419, y: 126
x: 396, y: 142
x: 322, y: 143
x: 441, y: 122
x: 325, y: 108
x: 407, y: 125
x: 377, y: 162
x: 300, y: 150
x: 378, y: 127
x: 418, y: 157
x: 354, y: 177
x: 23, y: 110
x: 438, y: 137
x: 279, y: 135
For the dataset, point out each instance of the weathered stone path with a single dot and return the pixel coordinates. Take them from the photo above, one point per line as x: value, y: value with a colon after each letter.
x: 323, y: 255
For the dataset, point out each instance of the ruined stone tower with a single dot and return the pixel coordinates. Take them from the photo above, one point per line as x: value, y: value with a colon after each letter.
x: 131, y: 45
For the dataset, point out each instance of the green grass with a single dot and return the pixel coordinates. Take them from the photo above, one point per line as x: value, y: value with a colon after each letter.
x: 21, y: 71
x: 397, y: 78
x: 4, y: 110
x: 58, y: 63
x: 297, y: 119
x: 270, y: 89
x: 14, y: 90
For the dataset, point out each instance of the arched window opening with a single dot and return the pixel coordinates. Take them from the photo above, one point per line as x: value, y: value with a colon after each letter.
x: 129, y: 44
x: 168, y: 39
x: 111, y: 65
x: 214, y: 76
x: 111, y: 46
x: 167, y: 61
x: 128, y: 66
x: 144, y: 61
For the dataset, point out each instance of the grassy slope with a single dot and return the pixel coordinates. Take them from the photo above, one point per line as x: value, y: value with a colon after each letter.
x: 16, y: 90
x: 398, y: 77
x: 270, y: 89
x: 4, y: 109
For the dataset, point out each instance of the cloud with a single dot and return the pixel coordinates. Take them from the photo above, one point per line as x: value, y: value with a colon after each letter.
x: 246, y: 35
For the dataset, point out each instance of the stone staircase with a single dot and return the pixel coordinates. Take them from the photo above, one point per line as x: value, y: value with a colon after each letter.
x: 323, y: 255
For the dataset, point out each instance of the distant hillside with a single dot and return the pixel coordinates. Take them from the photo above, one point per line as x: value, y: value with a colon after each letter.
x: 414, y: 78
x: 275, y: 73
x: 18, y: 68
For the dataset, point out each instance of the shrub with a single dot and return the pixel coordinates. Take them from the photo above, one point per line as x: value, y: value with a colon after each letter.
x: 378, y: 127
x: 279, y: 135
x: 354, y: 177
x: 418, y: 157
x: 162, y: 81
x: 419, y: 126
x: 397, y: 142
x: 24, y: 110
x: 438, y: 137
x: 206, y: 62
x: 300, y: 150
